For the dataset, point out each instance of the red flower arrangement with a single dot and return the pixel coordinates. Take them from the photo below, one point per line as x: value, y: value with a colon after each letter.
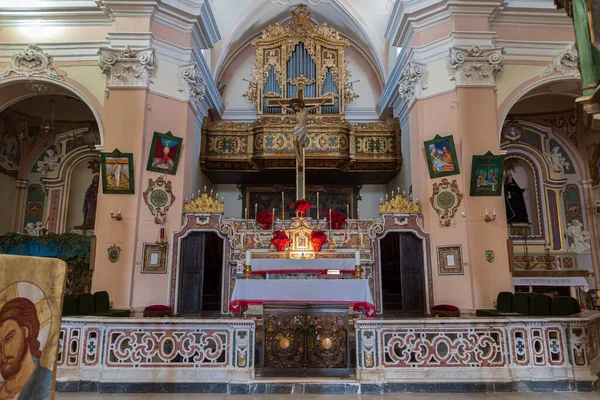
x: 301, y: 206
x: 318, y: 239
x: 338, y: 219
x: 265, y: 218
x: 280, y: 239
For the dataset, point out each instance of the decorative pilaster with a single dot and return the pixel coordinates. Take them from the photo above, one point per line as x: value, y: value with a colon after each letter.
x: 411, y: 84
x: 475, y: 66
x: 193, y: 84
x: 127, y: 67
x: 32, y: 62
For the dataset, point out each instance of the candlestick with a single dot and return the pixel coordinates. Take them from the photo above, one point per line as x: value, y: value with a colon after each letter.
x: 246, y: 214
x: 112, y: 210
x: 392, y: 194
x: 204, y: 189
x: 381, y: 201
x: 282, y: 210
x: 494, y: 212
x: 403, y: 192
x: 211, y: 192
x: 162, y: 233
x: 486, y: 212
x: 248, y: 257
x: 347, y: 210
x: 330, y: 217
x: 386, y: 198
x: 357, y: 257
x: 119, y: 210
x: 358, y: 214
x: 217, y: 196
x: 255, y: 209
x: 317, y: 207
x: 273, y: 221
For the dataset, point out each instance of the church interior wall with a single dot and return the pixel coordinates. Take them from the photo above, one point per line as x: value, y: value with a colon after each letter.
x: 80, y: 179
x: 438, y: 77
x: 511, y: 78
x: 238, y: 70
x: 56, y: 34
x: 91, y: 77
x: 233, y: 204
x: 367, y: 86
x: 369, y: 205
x: 7, y: 199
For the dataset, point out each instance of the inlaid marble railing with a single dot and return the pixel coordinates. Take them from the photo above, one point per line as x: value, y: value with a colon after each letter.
x: 147, y: 349
x: 480, y: 350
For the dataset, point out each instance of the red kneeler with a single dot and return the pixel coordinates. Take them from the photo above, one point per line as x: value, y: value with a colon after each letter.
x: 157, y: 311
x: 445, y: 310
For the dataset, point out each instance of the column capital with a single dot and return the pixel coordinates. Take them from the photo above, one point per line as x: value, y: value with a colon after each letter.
x: 127, y: 67
x: 193, y: 85
x: 474, y: 66
x: 411, y: 85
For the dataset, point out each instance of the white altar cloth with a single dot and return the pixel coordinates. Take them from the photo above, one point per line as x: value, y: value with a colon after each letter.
x: 552, y: 281
x: 355, y: 292
x: 291, y: 266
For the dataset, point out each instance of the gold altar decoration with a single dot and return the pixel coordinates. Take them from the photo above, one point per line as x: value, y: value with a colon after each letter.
x: 299, y: 234
x: 399, y: 204
x: 372, y: 150
x: 445, y: 200
x: 205, y: 203
x: 279, y: 43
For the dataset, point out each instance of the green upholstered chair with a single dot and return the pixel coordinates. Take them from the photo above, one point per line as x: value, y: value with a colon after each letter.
x: 102, y: 305
x: 85, y: 304
x: 521, y: 303
x: 540, y: 305
x: 504, y: 304
x: 563, y: 306
x: 69, y: 305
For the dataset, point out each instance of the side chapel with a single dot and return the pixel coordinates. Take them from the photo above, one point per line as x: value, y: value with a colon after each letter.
x: 305, y: 188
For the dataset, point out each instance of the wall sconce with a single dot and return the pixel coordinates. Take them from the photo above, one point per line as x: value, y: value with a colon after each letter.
x: 487, y: 215
x: 117, y: 216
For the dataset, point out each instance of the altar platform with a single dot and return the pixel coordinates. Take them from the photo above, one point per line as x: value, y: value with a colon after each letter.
x: 187, y: 355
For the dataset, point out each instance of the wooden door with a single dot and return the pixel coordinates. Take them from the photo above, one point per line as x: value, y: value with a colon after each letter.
x: 411, y: 275
x: 191, y: 273
x: 391, y: 282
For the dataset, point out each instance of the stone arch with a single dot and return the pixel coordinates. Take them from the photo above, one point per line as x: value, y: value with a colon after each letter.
x: 70, y: 86
x: 520, y: 91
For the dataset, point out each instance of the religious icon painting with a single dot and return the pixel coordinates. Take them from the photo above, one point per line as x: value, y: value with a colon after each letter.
x: 117, y: 172
x: 31, y: 297
x: 450, y: 260
x: 164, y: 153
x: 441, y: 157
x: 486, y: 175
x: 155, y: 257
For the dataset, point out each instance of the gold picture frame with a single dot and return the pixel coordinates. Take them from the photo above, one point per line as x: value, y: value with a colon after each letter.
x: 155, y: 259
x: 450, y: 261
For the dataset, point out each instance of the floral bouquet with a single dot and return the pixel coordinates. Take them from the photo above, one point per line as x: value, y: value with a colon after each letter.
x: 318, y: 239
x: 338, y: 219
x: 280, y: 239
x: 301, y: 206
x: 266, y: 219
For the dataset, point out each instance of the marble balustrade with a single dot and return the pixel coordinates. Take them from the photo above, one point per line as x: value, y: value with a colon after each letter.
x: 433, y: 355
x: 554, y: 353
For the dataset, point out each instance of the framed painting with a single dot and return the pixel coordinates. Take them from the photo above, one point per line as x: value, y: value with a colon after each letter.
x: 164, y: 153
x: 486, y: 175
x: 154, y: 259
x: 117, y: 173
x: 450, y: 260
x: 31, y: 297
x: 441, y: 156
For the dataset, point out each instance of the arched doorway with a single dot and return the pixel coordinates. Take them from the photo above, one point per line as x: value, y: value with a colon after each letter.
x: 48, y: 139
x: 546, y: 191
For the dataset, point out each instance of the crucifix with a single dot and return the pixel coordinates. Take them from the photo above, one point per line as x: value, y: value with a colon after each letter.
x: 299, y: 107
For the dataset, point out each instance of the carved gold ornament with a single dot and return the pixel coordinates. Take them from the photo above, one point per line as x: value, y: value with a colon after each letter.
x: 158, y: 197
x: 445, y: 200
x: 399, y: 204
x: 205, y: 203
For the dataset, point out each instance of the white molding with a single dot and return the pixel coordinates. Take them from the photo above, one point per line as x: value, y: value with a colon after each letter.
x: 389, y: 94
x: 32, y: 62
x: 411, y: 84
x: 530, y: 16
x: 60, y: 52
x: 363, y: 114
x: 240, y: 114
x: 127, y: 67
x: 55, y: 12
x: 213, y: 97
x: 529, y: 50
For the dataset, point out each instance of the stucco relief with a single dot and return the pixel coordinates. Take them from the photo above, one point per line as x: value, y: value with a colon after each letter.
x: 193, y: 84
x: 411, y: 85
x: 565, y: 63
x: 476, y: 66
x: 127, y: 67
x: 32, y: 62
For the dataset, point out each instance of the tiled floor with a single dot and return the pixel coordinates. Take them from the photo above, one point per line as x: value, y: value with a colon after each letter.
x: 405, y: 396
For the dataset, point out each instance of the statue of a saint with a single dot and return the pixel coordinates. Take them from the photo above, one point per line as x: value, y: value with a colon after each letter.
x: 579, y: 238
x: 89, y: 204
x: 516, y: 211
x: 300, y: 132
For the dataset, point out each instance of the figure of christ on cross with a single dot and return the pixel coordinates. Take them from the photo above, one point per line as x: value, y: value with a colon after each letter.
x: 300, y: 131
